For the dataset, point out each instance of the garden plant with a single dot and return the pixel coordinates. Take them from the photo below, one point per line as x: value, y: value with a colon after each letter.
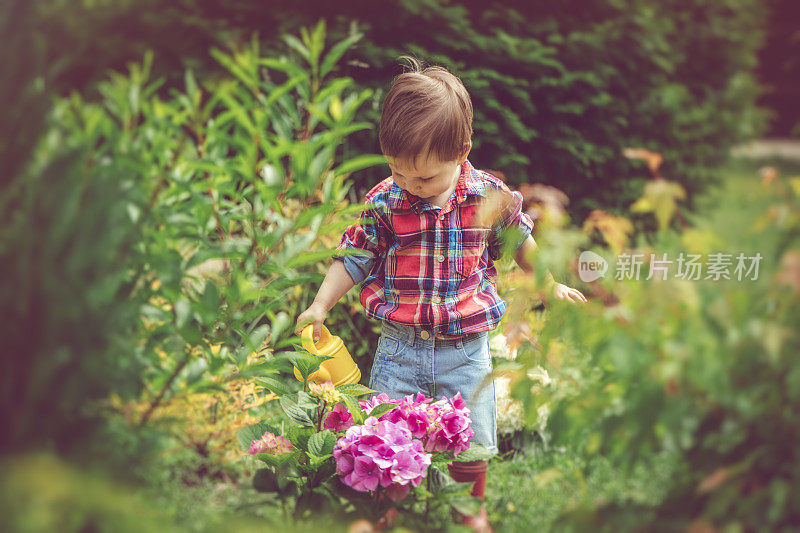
x: 161, y: 233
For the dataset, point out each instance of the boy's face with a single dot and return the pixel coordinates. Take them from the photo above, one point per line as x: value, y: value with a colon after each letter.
x: 431, y: 177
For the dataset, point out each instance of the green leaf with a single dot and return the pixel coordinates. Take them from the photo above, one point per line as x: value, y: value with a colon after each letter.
x: 299, y: 436
x: 439, y: 478
x: 381, y: 409
x: 316, y: 460
x: 476, y: 452
x: 355, y: 389
x: 465, y: 504
x: 307, y: 363
x: 448, y: 490
x: 274, y: 460
x: 252, y: 343
x: 355, y: 410
x: 422, y: 493
x: 298, y: 46
x: 183, y: 310
x: 294, y: 411
x: 282, y: 64
x: 274, y: 385
x: 307, y: 258
x: 358, y: 163
x: 305, y: 400
x: 336, y: 52
x: 317, y: 42
x: 335, y: 108
x: 322, y: 443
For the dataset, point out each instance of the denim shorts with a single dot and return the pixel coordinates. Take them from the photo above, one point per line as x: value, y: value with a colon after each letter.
x: 411, y: 359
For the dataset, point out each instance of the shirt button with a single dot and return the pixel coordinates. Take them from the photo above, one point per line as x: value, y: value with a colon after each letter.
x: 437, y: 300
x: 440, y: 258
x: 425, y: 335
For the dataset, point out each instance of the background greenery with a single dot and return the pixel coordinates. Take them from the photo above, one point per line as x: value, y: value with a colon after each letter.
x: 559, y: 89
x: 163, y: 223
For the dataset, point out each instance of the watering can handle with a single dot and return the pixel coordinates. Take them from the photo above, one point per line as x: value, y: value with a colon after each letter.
x: 308, y: 337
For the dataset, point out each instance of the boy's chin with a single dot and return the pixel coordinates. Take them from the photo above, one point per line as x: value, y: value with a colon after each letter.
x: 424, y: 195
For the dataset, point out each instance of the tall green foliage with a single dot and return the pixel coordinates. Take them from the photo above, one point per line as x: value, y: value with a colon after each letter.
x: 175, y: 225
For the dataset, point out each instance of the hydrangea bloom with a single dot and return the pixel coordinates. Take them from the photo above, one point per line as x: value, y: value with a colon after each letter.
x: 325, y: 390
x: 498, y: 347
x: 509, y: 411
x: 442, y: 425
x: 450, y: 425
x: 382, y: 453
x: 269, y: 443
x: 339, y: 419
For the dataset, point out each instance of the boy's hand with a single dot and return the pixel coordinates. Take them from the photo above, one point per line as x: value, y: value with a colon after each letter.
x: 315, y: 314
x: 562, y: 292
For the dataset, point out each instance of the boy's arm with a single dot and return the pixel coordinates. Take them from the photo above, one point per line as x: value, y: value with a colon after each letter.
x: 336, y: 284
x: 528, y: 245
x: 560, y: 291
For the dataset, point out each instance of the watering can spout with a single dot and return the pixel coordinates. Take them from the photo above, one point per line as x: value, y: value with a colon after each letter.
x: 340, y: 370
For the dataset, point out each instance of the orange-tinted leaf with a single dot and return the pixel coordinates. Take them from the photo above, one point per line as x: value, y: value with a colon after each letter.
x: 653, y: 159
x: 713, y: 480
x: 615, y: 229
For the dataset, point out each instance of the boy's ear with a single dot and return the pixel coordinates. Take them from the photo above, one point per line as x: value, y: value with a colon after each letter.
x: 467, y: 148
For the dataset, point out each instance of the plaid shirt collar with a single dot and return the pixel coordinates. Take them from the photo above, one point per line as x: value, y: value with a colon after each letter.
x: 469, y: 183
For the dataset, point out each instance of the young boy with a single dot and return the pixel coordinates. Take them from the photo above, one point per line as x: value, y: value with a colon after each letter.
x: 428, y: 255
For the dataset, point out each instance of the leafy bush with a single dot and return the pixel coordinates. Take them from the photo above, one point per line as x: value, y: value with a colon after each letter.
x: 559, y: 89
x: 698, y: 369
x: 221, y: 202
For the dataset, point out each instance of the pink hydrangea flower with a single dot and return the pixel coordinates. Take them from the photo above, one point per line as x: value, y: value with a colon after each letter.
x: 392, y: 451
x: 442, y: 425
x: 339, y: 419
x: 381, y: 452
x: 450, y: 425
x: 270, y: 443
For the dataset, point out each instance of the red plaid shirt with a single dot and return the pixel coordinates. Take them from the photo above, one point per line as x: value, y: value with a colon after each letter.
x: 431, y: 267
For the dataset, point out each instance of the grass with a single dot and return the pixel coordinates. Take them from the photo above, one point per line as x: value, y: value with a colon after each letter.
x: 530, y: 492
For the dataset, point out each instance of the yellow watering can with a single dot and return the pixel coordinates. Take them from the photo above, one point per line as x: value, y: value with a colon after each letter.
x: 340, y: 370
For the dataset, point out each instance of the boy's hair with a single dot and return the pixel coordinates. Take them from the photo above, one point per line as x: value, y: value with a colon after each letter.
x: 427, y: 111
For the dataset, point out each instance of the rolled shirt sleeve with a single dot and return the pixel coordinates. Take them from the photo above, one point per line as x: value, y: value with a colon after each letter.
x: 361, y: 244
x: 513, y: 218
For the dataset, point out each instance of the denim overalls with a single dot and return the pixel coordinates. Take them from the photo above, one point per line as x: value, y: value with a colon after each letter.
x: 411, y: 359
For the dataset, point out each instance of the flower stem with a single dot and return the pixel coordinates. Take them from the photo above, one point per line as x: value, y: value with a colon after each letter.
x: 428, y: 486
x: 378, y: 499
x: 321, y: 415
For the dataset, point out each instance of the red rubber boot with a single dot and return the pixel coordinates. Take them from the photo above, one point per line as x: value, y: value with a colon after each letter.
x: 473, y: 471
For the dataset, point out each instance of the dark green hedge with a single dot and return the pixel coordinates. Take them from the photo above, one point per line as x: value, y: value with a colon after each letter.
x: 559, y: 88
